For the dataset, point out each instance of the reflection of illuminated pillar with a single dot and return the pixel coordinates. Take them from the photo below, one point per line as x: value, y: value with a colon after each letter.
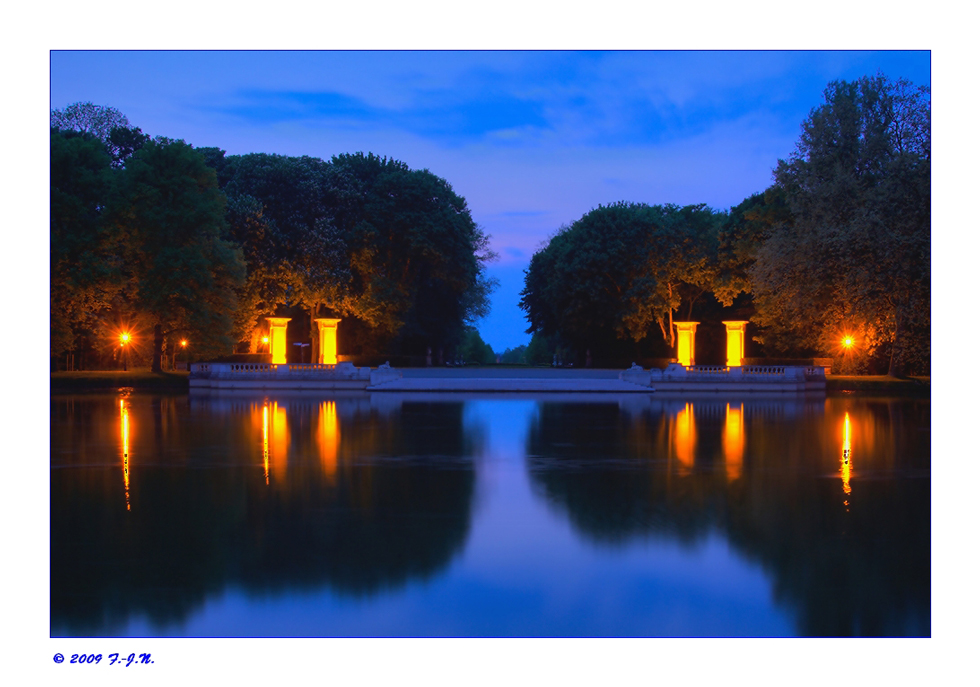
x: 733, y: 441
x: 685, y: 342
x: 277, y: 339
x: 684, y: 436
x: 329, y: 437
x: 328, y: 341
x: 736, y: 341
x: 279, y: 440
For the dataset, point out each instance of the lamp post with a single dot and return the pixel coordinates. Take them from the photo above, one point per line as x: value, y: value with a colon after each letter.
x: 183, y: 345
x: 123, y: 340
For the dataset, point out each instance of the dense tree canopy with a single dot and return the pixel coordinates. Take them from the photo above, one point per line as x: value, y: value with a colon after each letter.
x: 182, y: 273
x: 620, y: 270
x: 838, y: 246
x: 85, y: 269
x: 855, y: 259
x: 194, y: 242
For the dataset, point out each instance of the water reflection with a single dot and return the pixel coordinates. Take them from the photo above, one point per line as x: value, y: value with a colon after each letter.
x: 349, y: 496
x: 124, y: 432
x: 733, y: 440
x: 685, y: 437
x: 366, y: 497
x: 757, y: 471
x: 845, y: 458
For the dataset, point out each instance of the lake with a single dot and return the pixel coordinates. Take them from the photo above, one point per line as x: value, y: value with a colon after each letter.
x: 317, y: 514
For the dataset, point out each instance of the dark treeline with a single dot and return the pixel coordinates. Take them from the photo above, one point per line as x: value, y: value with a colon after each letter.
x: 176, y: 242
x: 838, y: 245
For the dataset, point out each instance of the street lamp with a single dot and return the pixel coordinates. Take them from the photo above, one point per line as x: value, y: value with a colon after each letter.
x: 847, y: 342
x: 123, y: 340
x: 173, y: 363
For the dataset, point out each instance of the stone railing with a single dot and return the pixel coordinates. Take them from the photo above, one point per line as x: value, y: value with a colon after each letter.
x: 710, y: 374
x: 340, y: 371
x: 764, y: 370
x: 251, y: 367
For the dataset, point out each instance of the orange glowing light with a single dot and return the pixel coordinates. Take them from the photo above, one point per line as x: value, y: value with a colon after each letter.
x: 265, y: 440
x: 847, y: 341
x: 685, y: 342
x: 277, y: 335
x: 124, y: 431
x: 733, y: 440
x: 183, y: 343
x: 329, y: 438
x: 265, y: 339
x: 685, y: 437
x: 124, y: 338
x: 845, y: 459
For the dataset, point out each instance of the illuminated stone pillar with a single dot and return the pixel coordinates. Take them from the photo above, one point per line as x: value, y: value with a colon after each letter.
x: 685, y: 342
x: 736, y: 341
x: 277, y: 339
x: 328, y: 341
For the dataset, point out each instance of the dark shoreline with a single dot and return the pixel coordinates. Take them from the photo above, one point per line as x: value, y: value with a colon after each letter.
x: 178, y: 382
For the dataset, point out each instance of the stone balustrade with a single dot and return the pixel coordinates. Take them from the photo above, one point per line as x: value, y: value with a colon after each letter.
x: 708, y: 369
x: 718, y: 377
x: 287, y: 375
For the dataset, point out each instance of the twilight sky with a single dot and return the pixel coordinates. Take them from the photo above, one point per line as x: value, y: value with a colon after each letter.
x: 532, y: 140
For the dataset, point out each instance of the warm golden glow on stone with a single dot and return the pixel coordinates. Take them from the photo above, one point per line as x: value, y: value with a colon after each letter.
x: 735, y: 347
x: 327, y: 354
x: 277, y: 335
x: 734, y: 440
x: 685, y: 342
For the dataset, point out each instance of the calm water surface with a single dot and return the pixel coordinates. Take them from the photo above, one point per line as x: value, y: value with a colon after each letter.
x: 400, y: 515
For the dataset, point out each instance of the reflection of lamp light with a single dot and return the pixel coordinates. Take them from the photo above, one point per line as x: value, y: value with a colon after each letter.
x: 265, y: 440
x: 124, y: 431
x: 845, y: 458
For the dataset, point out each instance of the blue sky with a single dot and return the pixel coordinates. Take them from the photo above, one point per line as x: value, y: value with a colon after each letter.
x: 533, y: 139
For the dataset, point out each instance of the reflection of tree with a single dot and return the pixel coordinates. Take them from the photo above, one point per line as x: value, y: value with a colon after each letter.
x: 396, y: 508
x: 863, y: 568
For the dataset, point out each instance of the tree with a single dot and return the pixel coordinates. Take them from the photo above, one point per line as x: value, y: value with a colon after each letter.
x: 282, y: 212
x: 104, y: 123
x: 183, y: 272
x: 85, y: 272
x: 418, y: 260
x: 97, y: 120
x: 855, y: 258
x: 474, y: 349
x: 620, y: 270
